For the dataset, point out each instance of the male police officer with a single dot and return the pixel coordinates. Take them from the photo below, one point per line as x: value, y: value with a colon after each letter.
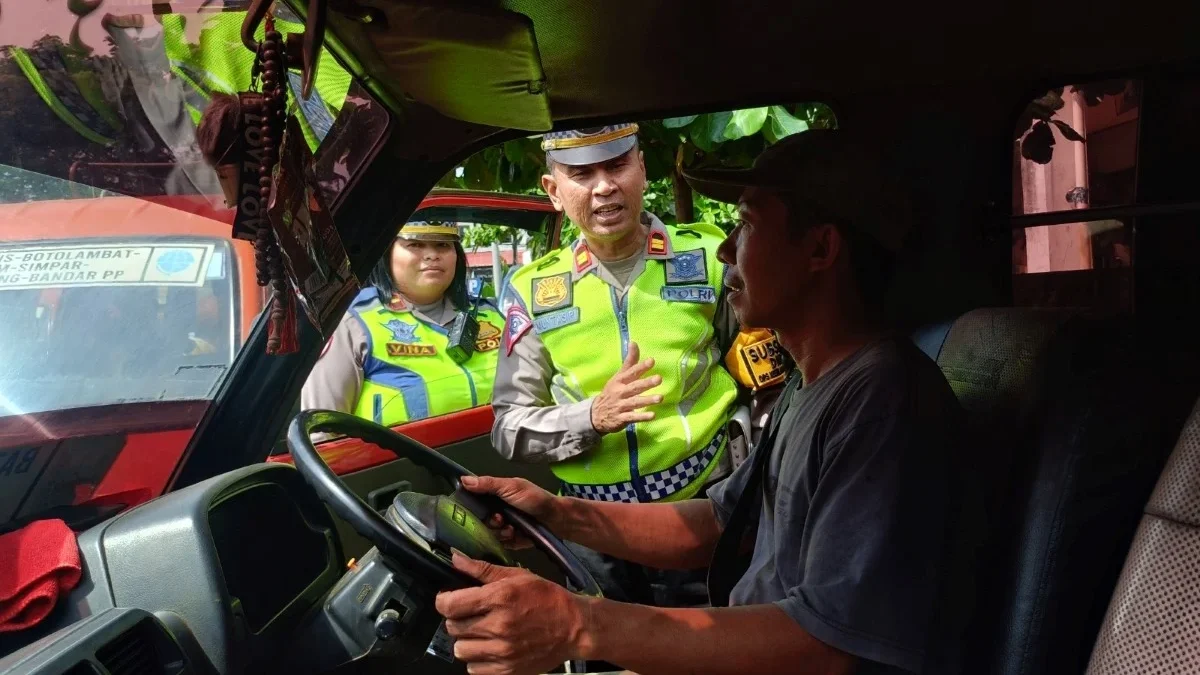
x: 572, y: 387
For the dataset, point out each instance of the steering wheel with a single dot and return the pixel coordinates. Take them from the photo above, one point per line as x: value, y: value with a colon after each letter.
x: 420, y: 529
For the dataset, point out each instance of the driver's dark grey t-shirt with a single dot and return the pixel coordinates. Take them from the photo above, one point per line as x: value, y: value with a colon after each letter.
x: 850, y: 537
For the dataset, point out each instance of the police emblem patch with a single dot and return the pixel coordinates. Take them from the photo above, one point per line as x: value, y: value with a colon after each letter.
x: 402, y: 331
x: 687, y: 267
x: 517, y: 324
x: 563, y: 317
x: 551, y: 293
x: 488, y: 338
x: 698, y: 294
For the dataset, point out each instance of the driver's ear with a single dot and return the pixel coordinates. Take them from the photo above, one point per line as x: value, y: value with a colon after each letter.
x: 550, y: 185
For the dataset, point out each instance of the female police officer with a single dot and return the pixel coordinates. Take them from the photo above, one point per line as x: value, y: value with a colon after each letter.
x: 397, y: 356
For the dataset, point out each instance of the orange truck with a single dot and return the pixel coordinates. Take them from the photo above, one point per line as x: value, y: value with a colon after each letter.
x: 121, y: 315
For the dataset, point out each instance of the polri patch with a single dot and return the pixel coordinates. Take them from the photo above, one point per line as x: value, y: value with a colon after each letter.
x: 704, y: 295
x: 687, y: 267
x: 551, y: 293
x: 563, y: 317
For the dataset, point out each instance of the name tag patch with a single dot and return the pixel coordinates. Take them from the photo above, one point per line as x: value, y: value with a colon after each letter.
x: 687, y: 267
x: 699, y: 294
x: 401, y: 349
x: 551, y: 293
x: 549, y: 322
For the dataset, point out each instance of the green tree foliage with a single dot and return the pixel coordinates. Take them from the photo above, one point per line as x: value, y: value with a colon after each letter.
x: 725, y: 139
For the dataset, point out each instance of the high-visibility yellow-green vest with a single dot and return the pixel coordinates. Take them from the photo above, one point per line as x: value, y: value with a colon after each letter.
x: 586, y: 326
x: 407, y: 374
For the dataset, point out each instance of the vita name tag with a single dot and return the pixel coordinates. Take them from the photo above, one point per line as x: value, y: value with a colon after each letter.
x: 698, y: 294
x: 563, y: 317
x: 765, y: 362
x: 401, y: 349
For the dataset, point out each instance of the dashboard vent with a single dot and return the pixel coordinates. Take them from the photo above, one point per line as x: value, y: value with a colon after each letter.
x: 141, y: 650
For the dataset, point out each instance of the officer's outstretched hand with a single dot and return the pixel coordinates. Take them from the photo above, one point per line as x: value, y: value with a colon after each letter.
x: 621, y: 402
x: 521, y: 494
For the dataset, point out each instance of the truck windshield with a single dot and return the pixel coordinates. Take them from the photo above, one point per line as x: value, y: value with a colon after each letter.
x: 125, y: 299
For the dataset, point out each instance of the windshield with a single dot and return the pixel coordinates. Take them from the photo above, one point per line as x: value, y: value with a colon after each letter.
x: 124, y: 295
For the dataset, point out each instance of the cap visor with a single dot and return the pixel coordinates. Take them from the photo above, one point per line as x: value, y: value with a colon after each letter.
x: 594, y: 154
x: 727, y: 185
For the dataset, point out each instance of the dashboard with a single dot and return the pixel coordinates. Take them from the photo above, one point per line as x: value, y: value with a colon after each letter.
x: 218, y: 577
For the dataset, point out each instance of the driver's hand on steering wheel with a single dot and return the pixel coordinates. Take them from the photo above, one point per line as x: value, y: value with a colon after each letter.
x: 519, y: 493
x: 516, y: 623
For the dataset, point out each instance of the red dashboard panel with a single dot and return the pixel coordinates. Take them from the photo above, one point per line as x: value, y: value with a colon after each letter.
x: 348, y: 455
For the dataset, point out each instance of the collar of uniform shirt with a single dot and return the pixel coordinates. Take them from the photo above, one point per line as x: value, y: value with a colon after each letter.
x: 657, y: 247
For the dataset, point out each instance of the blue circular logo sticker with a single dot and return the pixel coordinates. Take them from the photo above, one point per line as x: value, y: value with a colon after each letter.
x: 174, y: 262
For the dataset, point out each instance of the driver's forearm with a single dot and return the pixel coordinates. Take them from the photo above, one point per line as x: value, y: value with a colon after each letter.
x: 734, y: 640
x: 679, y: 535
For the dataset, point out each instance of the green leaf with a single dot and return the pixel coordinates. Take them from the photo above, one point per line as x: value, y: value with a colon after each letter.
x: 744, y: 123
x: 709, y: 130
x: 678, y: 122
x: 513, y: 152
x: 784, y: 124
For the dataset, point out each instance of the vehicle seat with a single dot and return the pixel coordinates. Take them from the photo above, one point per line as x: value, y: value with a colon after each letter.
x: 1070, y: 425
x: 1152, y: 625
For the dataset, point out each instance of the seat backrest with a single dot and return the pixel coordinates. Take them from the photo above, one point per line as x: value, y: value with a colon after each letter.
x: 1152, y: 625
x: 1071, y: 429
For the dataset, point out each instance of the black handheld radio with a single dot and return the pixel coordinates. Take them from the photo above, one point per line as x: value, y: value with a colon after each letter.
x: 462, y: 335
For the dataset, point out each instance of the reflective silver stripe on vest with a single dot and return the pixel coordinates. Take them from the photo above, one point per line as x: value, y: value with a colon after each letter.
x: 657, y: 485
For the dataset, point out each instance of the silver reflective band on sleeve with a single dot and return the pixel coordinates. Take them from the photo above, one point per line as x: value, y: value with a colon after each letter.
x: 657, y: 485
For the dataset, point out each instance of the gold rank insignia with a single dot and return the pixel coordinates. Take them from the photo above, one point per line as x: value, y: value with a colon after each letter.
x: 656, y: 243
x: 551, y: 293
x: 583, y: 258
